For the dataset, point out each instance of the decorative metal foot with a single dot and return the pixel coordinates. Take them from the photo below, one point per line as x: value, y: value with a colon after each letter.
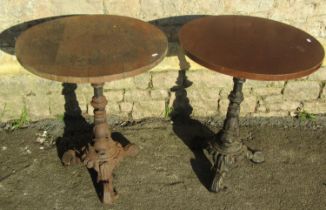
x: 105, y: 154
x: 228, y: 148
x: 70, y: 158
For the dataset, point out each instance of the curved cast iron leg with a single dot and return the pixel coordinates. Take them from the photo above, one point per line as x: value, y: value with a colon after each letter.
x: 105, y: 154
x: 228, y: 146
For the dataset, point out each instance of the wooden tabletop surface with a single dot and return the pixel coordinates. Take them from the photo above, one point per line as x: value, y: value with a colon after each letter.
x: 90, y: 48
x: 251, y: 47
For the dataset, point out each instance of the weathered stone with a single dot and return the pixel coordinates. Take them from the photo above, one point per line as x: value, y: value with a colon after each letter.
x: 319, y: 75
x: 37, y: 107
x: 316, y: 107
x: 137, y: 95
x: 113, y: 108
x: 143, y: 109
x: 127, y: 83
x: 11, y: 107
x: 159, y: 94
x: 126, y: 107
x: 284, y: 106
x: 209, y: 79
x: 323, y: 94
x: 164, y: 80
x: 261, y: 108
x: 223, y: 106
x: 271, y: 114
x: 288, y: 10
x: 201, y: 108
x: 263, y: 84
x: 248, y: 6
x: 129, y: 8
x: 57, y: 105
x: 301, y: 90
x: 261, y: 91
x: 248, y: 105
x: 142, y: 81
x: 273, y: 99
x: 202, y: 94
x: 114, y: 95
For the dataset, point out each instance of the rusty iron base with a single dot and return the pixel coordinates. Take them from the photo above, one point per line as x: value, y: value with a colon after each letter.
x: 227, y: 148
x: 103, y: 154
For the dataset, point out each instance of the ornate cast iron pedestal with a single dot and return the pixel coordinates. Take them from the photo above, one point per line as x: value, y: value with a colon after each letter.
x: 104, y: 154
x: 228, y: 147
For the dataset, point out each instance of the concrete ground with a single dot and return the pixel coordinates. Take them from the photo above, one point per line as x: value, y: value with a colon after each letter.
x: 170, y: 172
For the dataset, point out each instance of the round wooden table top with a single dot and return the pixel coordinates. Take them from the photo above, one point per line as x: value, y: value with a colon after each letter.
x: 251, y: 47
x: 91, y: 48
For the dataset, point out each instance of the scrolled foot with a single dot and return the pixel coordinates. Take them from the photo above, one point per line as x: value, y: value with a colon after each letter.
x: 70, y: 158
x: 131, y: 150
x: 109, y: 195
x: 255, y: 156
x: 219, y: 172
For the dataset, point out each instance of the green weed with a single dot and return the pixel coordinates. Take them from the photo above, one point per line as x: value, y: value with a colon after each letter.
x: 22, y: 121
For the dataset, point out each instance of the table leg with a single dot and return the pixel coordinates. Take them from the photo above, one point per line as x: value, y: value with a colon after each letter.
x: 228, y: 146
x: 104, y: 155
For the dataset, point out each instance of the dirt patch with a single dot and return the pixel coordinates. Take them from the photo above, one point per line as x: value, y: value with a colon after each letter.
x: 170, y: 171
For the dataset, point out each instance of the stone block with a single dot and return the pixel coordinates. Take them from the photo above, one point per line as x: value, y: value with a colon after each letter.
x: 11, y: 107
x: 164, y: 80
x: 137, y: 95
x: 127, y: 83
x: 323, y: 94
x: 202, y: 94
x: 142, y: 81
x: 201, y: 108
x: 114, y: 95
x: 159, y: 94
x: 284, y: 106
x: 223, y: 105
x: 126, y: 107
x: 316, y: 107
x: 57, y: 105
x: 143, y: 109
x: 261, y: 91
x: 129, y: 8
x: 248, y: 6
x: 301, y: 90
x: 319, y: 75
x: 37, y: 106
x: 263, y: 84
x: 209, y: 79
x: 273, y: 99
x: 248, y: 105
x: 271, y: 114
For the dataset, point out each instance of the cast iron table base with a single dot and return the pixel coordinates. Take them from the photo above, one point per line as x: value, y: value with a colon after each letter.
x: 228, y: 147
x: 103, y: 154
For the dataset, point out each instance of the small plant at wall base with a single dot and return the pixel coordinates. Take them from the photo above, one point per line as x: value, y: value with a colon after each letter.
x: 303, y: 115
x: 23, y: 120
x: 167, y: 111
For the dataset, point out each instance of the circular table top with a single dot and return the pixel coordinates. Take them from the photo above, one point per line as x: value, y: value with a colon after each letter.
x: 251, y: 47
x: 90, y: 48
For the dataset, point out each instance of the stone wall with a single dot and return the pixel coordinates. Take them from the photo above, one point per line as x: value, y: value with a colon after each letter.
x: 171, y: 84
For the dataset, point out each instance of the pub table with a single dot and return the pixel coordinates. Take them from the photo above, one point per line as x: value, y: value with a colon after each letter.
x: 93, y: 49
x: 246, y: 47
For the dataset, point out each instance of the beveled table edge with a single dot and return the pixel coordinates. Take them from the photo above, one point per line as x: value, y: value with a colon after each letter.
x: 246, y: 74
x: 97, y: 79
